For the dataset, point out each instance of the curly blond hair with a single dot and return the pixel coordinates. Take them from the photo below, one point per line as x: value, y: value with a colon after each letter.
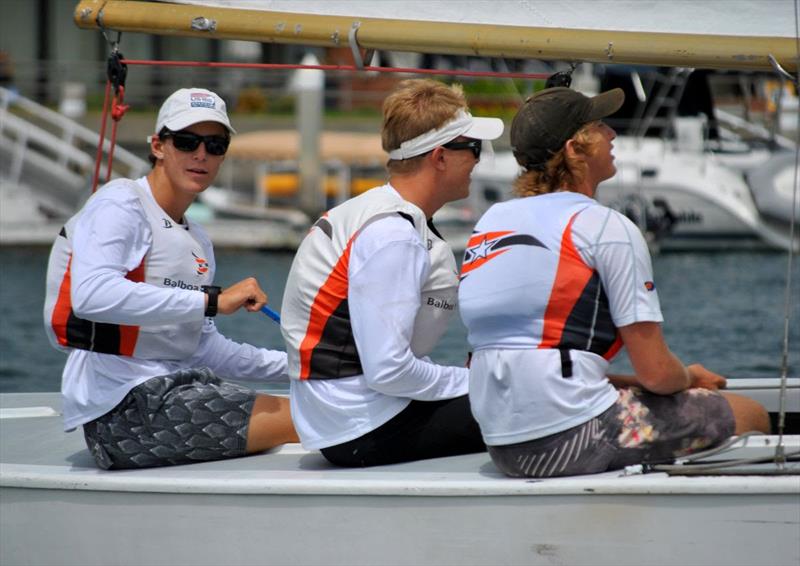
x: 561, y: 171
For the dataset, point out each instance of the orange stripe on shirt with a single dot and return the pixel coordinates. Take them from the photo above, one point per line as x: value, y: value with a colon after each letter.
x: 63, y: 306
x: 615, y: 347
x: 328, y: 299
x: 572, y: 275
x: 128, y: 335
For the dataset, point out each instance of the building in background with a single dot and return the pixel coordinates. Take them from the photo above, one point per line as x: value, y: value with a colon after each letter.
x: 43, y: 55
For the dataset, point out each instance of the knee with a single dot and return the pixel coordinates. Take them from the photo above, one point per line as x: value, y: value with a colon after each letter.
x: 270, y: 424
x: 750, y: 415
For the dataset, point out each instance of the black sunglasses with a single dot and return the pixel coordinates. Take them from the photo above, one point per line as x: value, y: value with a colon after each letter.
x: 474, y: 145
x: 188, y: 141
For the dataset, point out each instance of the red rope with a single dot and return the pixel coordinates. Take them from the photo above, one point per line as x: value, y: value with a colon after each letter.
x: 99, y: 157
x: 286, y: 66
x: 118, y: 110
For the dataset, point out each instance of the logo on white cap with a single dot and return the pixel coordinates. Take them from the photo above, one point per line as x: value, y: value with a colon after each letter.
x: 201, y: 100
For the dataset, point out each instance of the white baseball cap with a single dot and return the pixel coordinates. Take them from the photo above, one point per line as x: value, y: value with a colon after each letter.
x: 189, y: 106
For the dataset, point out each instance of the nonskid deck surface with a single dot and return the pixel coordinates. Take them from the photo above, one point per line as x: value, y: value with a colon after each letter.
x: 36, y: 453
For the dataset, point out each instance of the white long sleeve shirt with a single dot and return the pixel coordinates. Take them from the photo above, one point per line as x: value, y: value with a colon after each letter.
x: 111, y: 238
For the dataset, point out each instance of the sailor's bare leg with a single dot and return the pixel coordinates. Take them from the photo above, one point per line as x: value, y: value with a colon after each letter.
x: 270, y: 424
x: 750, y: 415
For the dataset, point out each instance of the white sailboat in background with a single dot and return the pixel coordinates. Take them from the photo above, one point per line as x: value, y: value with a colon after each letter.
x: 686, y: 189
x: 290, y: 506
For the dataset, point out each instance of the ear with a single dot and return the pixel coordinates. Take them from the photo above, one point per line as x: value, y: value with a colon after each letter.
x: 157, y: 147
x: 436, y: 158
x: 571, y: 149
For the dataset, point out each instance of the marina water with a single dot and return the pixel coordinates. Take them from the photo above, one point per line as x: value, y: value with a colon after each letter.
x: 722, y: 309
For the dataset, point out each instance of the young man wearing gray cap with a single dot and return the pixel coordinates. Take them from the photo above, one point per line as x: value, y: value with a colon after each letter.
x: 130, y: 297
x: 552, y: 286
x: 371, y: 290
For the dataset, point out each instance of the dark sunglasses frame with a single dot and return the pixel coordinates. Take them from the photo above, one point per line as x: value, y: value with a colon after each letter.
x: 474, y: 145
x: 189, y: 141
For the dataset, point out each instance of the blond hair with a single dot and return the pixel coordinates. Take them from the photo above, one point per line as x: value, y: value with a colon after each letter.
x: 413, y: 108
x: 561, y: 172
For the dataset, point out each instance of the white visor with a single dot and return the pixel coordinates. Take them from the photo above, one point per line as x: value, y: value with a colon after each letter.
x: 463, y: 124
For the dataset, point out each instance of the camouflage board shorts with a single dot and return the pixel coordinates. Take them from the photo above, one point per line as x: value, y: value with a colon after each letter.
x: 641, y: 427
x: 188, y: 416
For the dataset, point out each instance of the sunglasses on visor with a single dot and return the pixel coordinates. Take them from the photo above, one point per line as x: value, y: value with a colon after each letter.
x: 474, y: 145
x: 188, y: 141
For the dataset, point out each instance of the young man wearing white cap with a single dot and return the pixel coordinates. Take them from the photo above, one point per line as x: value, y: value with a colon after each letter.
x: 371, y: 290
x: 130, y: 297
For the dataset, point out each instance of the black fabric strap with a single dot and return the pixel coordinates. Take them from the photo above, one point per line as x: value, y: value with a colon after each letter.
x: 213, y: 297
x: 433, y: 229
x: 407, y: 217
x: 566, y: 363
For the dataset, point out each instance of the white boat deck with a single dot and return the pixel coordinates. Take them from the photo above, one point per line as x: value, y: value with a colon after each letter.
x: 61, y: 461
x: 291, y: 506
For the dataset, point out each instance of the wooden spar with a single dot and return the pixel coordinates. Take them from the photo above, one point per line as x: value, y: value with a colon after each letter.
x: 596, y: 46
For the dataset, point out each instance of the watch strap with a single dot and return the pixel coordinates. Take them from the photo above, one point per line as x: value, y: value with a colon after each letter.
x: 213, y: 298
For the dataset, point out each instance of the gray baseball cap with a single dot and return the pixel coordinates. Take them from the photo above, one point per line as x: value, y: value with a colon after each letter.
x: 551, y: 117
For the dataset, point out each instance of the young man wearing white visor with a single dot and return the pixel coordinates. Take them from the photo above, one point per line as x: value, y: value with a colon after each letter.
x: 371, y: 290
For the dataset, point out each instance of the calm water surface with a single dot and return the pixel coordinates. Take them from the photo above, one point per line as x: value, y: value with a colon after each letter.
x: 724, y: 310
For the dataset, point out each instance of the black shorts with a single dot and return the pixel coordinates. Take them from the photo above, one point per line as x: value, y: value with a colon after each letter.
x: 187, y: 416
x: 424, y: 429
x: 641, y: 427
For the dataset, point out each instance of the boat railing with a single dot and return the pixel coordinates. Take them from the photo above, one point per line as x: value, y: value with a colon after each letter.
x: 756, y: 131
x: 32, y: 133
x: 667, y: 93
x: 700, y: 126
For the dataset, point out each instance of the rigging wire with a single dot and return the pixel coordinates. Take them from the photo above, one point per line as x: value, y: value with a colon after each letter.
x: 350, y: 68
x: 779, y: 452
x: 710, y: 468
x: 99, y: 156
x: 117, y: 71
x: 729, y: 443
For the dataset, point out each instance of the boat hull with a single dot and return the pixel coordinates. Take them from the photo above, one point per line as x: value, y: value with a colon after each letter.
x: 72, y: 527
x: 290, y: 506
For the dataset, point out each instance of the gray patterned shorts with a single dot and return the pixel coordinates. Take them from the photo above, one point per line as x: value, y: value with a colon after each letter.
x: 188, y: 416
x: 641, y: 427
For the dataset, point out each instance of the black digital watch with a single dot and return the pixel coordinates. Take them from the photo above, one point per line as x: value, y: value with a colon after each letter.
x: 213, y: 296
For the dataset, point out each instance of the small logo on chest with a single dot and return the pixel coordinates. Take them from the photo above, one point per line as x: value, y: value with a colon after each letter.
x: 201, y: 265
